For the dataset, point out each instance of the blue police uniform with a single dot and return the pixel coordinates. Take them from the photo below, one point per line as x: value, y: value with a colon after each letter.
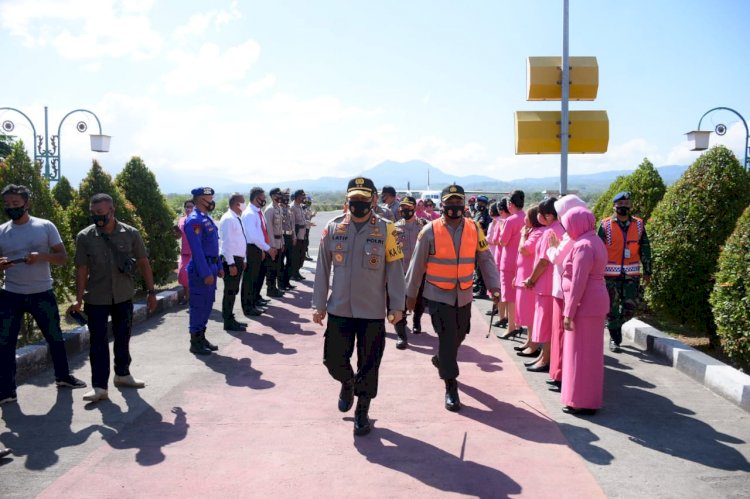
x: 203, y: 238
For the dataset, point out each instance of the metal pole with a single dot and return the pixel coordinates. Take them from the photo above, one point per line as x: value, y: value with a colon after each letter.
x: 564, y: 110
x: 747, y: 130
x: 46, y: 145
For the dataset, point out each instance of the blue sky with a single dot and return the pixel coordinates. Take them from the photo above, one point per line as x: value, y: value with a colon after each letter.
x: 259, y: 91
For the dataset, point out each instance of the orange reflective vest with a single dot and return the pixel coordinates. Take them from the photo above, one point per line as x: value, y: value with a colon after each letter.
x: 444, y: 268
x: 623, y: 250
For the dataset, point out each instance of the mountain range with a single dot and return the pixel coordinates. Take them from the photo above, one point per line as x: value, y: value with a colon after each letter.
x: 414, y: 174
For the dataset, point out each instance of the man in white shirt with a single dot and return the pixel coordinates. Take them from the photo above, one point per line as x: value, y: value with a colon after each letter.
x: 232, y: 247
x: 256, y: 235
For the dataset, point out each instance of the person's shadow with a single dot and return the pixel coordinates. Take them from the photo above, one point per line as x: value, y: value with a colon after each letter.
x: 39, y: 437
x: 283, y: 321
x: 434, y: 467
x: 148, y: 431
x: 237, y: 372
x: 263, y: 343
x: 655, y: 422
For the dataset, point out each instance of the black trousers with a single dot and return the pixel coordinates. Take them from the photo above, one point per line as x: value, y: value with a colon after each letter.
x: 252, y: 278
x: 231, y: 289
x: 451, y: 324
x: 287, y: 261
x: 273, y: 270
x: 338, y: 347
x: 307, y: 242
x: 122, y: 323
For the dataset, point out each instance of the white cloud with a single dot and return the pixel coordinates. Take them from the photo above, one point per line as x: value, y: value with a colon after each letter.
x: 210, y: 67
x: 199, y: 23
x: 260, y: 86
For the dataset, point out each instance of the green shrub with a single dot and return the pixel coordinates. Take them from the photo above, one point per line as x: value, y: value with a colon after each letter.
x: 688, y: 228
x: 730, y: 298
x: 646, y: 188
x: 139, y: 185
x: 63, y: 192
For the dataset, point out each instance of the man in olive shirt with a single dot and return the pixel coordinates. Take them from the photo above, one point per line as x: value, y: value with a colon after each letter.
x: 363, y: 250
x: 106, y: 253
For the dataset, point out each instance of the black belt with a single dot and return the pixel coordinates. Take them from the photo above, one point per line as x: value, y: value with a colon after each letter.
x: 277, y: 237
x: 212, y: 259
x: 298, y: 227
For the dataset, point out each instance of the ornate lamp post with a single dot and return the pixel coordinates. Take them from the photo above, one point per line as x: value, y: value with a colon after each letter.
x: 700, y: 137
x: 47, y: 147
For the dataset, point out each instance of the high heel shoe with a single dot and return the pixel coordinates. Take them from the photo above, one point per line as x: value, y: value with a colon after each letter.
x: 538, y: 369
x: 535, y: 353
x: 520, y: 348
x: 511, y: 334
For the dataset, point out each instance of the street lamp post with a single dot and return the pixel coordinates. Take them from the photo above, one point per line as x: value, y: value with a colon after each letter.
x: 47, y: 147
x: 700, y: 137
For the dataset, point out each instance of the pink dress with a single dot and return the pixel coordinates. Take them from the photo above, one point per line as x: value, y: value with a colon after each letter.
x: 543, y: 307
x: 525, y: 266
x: 557, y: 256
x: 586, y: 303
x: 510, y: 238
x: 492, y: 232
x: 185, y: 255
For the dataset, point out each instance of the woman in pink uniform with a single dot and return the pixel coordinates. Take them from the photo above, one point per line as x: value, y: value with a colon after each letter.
x: 532, y: 232
x: 185, y: 253
x: 541, y: 282
x: 510, y: 238
x: 556, y: 254
x: 502, y: 209
x: 586, y: 306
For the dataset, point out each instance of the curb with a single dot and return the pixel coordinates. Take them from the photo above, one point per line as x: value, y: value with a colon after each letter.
x: 33, y: 359
x: 718, y: 377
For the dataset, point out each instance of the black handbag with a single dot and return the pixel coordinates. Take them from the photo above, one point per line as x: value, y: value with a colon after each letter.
x: 125, y: 264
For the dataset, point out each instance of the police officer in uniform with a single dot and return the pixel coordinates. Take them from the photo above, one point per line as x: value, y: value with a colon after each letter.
x: 363, y: 251
x: 274, y: 217
x: 379, y: 210
x: 290, y: 240
x: 407, y: 229
x: 205, y: 265
x: 446, y: 252
x: 628, y: 257
x: 309, y: 214
x: 483, y: 218
x: 390, y: 203
x: 299, y: 222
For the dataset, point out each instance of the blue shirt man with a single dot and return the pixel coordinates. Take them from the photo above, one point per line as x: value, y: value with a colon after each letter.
x: 203, y: 237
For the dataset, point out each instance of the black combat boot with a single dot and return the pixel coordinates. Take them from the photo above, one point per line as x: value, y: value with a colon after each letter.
x: 401, y: 342
x: 274, y: 292
x: 452, y: 403
x: 207, y: 343
x: 196, y: 345
x: 361, y: 421
x: 346, y: 395
x: 417, y: 328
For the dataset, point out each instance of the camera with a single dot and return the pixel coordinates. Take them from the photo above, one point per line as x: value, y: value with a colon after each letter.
x: 721, y: 129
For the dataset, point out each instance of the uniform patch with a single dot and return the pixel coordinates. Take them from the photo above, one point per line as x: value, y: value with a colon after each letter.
x: 338, y: 257
x: 197, y: 229
x: 339, y: 246
x: 374, y: 260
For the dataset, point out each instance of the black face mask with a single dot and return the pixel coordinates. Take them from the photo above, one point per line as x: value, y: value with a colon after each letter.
x: 210, y: 206
x: 100, y: 220
x: 454, y: 211
x: 481, y: 207
x: 15, y: 213
x: 622, y: 210
x: 407, y: 214
x: 261, y: 203
x: 359, y: 209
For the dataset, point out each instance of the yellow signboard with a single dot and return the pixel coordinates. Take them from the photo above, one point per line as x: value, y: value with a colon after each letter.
x: 538, y: 132
x: 544, y: 77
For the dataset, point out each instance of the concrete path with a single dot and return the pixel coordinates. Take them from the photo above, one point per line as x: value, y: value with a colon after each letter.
x: 259, y: 419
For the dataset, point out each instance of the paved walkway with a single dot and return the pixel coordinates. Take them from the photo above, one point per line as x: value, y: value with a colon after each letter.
x: 259, y: 419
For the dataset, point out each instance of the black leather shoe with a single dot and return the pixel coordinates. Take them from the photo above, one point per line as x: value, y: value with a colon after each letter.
x: 417, y: 328
x: 262, y: 301
x: 614, y: 347
x: 401, y: 341
x: 298, y: 278
x: 253, y: 312
x: 346, y: 396
x: 307, y: 258
x: 234, y: 326
x: 207, y: 343
x: 197, y: 346
x: 289, y: 287
x: 4, y: 453
x: 538, y: 369
x: 577, y: 411
x: 274, y: 293
x: 452, y: 402
x: 531, y: 362
x: 535, y: 353
x: 554, y: 382
x: 519, y: 348
x: 361, y: 420
x: 491, y: 312
x: 435, y: 361
x: 241, y: 324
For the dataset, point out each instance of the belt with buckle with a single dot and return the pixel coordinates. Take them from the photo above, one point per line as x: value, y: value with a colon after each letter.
x: 298, y: 227
x: 288, y: 232
x: 277, y: 237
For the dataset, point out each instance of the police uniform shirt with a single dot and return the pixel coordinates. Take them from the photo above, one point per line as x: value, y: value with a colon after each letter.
x: 383, y: 212
x: 408, y: 237
x: 273, y: 218
x: 308, y: 217
x: 231, y: 237
x: 426, y: 247
x: 286, y: 221
x: 203, y: 237
x: 364, y: 260
x: 298, y: 220
x: 395, y: 209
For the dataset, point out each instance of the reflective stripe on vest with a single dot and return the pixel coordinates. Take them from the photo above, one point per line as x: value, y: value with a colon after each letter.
x: 617, y: 262
x: 444, y: 268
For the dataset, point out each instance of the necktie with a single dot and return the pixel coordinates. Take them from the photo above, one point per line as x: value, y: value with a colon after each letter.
x: 263, y: 226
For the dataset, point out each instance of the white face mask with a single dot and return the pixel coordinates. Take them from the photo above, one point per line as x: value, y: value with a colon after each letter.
x: 242, y: 206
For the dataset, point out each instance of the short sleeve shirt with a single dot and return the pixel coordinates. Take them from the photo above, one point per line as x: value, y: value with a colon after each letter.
x: 106, y: 284
x: 17, y: 241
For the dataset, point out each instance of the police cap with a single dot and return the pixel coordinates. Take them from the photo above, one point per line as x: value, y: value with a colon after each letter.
x: 408, y: 201
x: 482, y: 199
x: 621, y: 196
x: 360, y: 186
x: 452, y: 190
x: 202, y: 191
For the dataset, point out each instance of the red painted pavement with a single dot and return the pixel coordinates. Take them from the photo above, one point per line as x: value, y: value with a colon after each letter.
x: 262, y: 422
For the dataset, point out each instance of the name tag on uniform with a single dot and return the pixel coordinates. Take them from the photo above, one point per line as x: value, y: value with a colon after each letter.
x: 627, y: 252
